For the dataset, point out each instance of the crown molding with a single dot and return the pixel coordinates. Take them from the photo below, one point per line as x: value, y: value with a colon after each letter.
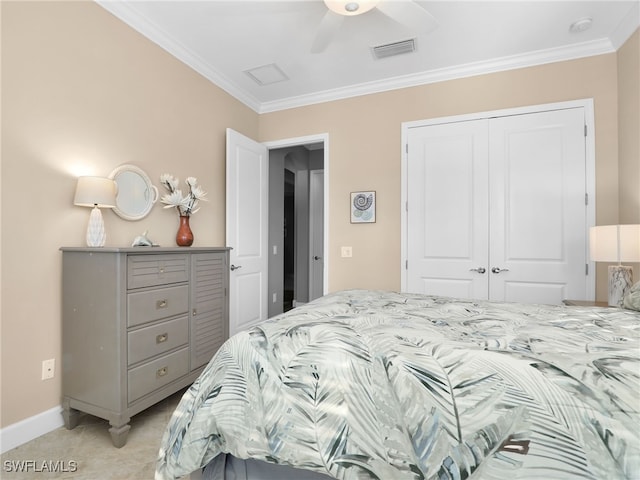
x: 627, y: 27
x: 142, y: 25
x: 540, y: 57
x: 131, y: 17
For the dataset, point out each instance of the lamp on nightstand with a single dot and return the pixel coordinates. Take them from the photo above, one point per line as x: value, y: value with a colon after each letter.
x: 96, y: 192
x: 616, y: 243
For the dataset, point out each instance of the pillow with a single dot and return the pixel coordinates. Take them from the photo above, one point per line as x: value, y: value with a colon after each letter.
x: 631, y: 299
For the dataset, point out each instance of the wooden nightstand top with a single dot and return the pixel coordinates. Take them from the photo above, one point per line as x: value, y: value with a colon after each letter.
x: 585, y: 303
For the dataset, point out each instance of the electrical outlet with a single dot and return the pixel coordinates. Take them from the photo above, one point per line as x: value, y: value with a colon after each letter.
x: 346, y: 252
x: 48, y: 368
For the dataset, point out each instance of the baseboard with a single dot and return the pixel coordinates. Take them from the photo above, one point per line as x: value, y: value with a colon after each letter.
x: 26, y: 430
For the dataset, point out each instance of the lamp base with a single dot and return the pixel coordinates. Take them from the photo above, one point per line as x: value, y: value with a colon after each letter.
x: 620, y: 281
x: 96, y: 236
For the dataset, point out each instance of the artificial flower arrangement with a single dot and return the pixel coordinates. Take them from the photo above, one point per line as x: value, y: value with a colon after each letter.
x: 185, y: 204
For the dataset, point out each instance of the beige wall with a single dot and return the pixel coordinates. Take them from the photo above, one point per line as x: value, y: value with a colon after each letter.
x: 365, y: 150
x: 83, y: 93
x: 629, y: 136
x: 629, y: 133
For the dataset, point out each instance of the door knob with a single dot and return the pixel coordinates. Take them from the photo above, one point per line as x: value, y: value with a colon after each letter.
x: 233, y: 267
x: 498, y: 270
x: 317, y: 257
x: 479, y: 269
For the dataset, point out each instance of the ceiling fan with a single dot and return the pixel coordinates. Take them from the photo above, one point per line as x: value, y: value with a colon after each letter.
x: 405, y: 12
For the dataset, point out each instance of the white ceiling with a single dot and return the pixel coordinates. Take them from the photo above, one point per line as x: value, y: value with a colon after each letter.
x: 223, y: 39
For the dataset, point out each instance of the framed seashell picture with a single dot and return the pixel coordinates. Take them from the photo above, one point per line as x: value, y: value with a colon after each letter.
x: 363, y: 207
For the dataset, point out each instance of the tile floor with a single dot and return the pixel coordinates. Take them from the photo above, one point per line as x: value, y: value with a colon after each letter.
x: 89, y: 446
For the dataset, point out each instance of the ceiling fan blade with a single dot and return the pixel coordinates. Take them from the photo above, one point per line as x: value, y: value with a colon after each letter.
x: 326, y: 30
x: 409, y: 14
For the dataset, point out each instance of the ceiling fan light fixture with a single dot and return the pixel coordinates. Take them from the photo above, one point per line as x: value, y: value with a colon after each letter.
x: 350, y: 7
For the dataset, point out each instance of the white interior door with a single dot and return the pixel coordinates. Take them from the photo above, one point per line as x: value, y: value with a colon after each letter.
x: 316, y: 233
x: 503, y: 196
x: 537, y: 207
x: 247, y: 230
x: 447, y: 211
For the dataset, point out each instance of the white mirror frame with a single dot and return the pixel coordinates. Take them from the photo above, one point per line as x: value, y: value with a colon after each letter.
x: 136, y: 194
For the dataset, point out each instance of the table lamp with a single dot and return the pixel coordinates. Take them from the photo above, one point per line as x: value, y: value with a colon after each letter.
x: 616, y: 243
x: 96, y: 192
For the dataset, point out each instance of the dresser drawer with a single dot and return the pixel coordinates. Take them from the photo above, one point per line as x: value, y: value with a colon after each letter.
x: 151, y: 270
x: 143, y: 307
x: 156, y: 339
x: 158, y: 373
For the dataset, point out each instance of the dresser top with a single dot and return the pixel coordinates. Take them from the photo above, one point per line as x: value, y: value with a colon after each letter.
x: 150, y: 250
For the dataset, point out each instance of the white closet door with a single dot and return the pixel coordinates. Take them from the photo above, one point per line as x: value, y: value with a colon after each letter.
x: 537, y: 207
x: 506, y: 195
x: 447, y: 216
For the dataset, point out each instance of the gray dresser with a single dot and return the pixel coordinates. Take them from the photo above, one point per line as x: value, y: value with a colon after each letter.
x: 138, y: 324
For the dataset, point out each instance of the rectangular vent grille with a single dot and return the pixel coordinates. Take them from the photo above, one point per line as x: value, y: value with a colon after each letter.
x: 395, y: 48
x: 267, y: 74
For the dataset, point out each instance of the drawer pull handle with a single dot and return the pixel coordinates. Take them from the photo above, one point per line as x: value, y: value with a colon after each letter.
x: 195, y: 312
x: 162, y: 372
x: 161, y: 269
x: 163, y: 337
x: 162, y: 303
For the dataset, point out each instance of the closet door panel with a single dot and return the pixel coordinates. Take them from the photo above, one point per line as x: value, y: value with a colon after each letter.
x: 447, y: 209
x: 537, y: 208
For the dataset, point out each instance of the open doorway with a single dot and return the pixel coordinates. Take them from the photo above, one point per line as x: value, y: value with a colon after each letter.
x: 294, y: 269
x: 289, y: 239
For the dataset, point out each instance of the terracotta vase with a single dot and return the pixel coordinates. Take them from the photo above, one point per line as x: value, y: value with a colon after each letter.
x: 184, y: 237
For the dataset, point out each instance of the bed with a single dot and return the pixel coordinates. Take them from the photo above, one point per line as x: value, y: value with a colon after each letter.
x: 380, y: 385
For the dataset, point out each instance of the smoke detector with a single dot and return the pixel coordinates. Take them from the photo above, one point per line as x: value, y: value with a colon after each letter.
x: 581, y: 25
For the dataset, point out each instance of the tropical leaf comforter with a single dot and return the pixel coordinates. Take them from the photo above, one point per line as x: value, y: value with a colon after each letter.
x: 366, y: 384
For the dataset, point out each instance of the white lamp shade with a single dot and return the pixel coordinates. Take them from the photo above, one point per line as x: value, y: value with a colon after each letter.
x: 615, y: 243
x: 95, y: 191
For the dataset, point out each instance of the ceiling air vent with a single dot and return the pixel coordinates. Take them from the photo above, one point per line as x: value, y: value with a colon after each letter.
x: 395, y: 48
x: 267, y: 74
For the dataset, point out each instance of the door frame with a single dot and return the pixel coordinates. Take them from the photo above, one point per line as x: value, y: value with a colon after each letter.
x: 312, y: 230
x: 590, y: 165
x: 298, y: 141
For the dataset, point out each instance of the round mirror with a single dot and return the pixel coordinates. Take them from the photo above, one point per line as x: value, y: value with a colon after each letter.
x: 136, y: 194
